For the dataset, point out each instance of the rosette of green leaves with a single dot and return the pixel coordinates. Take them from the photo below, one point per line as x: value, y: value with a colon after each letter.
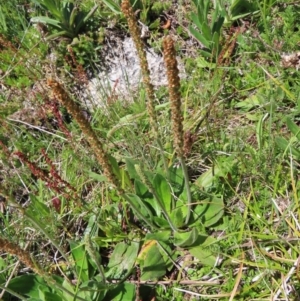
x: 66, y: 17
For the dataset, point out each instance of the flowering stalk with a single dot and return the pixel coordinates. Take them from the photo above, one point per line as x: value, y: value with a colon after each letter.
x: 139, y: 45
x: 31, y: 218
x: 176, y: 116
x: 59, y: 93
x: 24, y: 256
x: 52, y: 179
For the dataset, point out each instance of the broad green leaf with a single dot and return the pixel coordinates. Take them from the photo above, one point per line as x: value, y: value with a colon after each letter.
x: 90, y: 14
x: 73, y: 16
x: 70, y: 288
x: 115, y: 7
x: 206, y: 54
x: 216, y: 44
x: 28, y: 285
x: 286, y: 146
x: 153, y: 267
x: 295, y: 129
x: 130, y: 163
x: 161, y: 222
x: 202, y: 63
x: 177, y: 217
x: 205, y: 256
x: 259, y: 131
x: 249, y: 103
x: 46, y: 20
x: 139, y: 206
x: 169, y: 254
x: 54, y: 7
x: 59, y: 34
x: 199, y: 37
x: 220, y: 169
x: 38, y: 207
x: 3, y: 265
x: 176, y: 179
x: 122, y: 292
x: 97, y: 177
x: 206, y: 32
x: 163, y: 191
x: 52, y: 297
x: 115, y: 166
x: 210, y: 211
x: 147, y: 245
x: 218, y: 25
x: 94, y: 285
x: 241, y: 16
x: 3, y: 23
x: 185, y: 239
x: 122, y: 260
x: 201, y: 250
x: 141, y: 189
x: 159, y: 236
x: 80, y: 260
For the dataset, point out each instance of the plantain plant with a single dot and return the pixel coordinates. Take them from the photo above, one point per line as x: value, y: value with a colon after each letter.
x: 163, y: 207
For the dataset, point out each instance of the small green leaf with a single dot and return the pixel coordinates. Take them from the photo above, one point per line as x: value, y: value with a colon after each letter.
x: 220, y: 169
x: 155, y: 24
x: 202, y: 63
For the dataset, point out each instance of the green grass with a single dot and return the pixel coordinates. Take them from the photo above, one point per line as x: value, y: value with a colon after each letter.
x: 92, y: 241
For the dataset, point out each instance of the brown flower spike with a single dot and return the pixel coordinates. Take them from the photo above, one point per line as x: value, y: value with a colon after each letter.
x: 174, y: 92
x: 139, y: 45
x: 59, y: 93
x: 23, y: 255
